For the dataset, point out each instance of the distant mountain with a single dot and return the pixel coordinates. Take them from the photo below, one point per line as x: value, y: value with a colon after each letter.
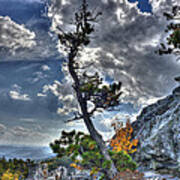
x: 25, y: 152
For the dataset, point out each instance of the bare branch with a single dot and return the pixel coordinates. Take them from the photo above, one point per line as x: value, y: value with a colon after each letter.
x: 84, y: 67
x: 74, y: 119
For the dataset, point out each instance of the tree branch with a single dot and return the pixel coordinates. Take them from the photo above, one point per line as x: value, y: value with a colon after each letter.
x: 74, y: 119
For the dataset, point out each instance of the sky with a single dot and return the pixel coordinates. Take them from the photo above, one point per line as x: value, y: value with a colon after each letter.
x: 35, y: 92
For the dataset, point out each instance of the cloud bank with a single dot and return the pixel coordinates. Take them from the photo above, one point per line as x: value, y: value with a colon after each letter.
x: 122, y: 49
x: 24, y: 31
x: 123, y: 45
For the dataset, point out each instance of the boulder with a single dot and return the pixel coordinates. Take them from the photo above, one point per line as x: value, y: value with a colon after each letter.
x: 158, y: 130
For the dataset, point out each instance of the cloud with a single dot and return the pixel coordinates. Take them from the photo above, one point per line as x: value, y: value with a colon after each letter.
x: 27, y: 120
x: 2, y: 129
x: 123, y: 46
x: 122, y: 49
x: 45, y: 68
x: 28, y: 1
x: 17, y: 95
x: 22, y: 92
x: 14, y: 36
x: 25, y: 32
x: 64, y: 94
x: 162, y: 5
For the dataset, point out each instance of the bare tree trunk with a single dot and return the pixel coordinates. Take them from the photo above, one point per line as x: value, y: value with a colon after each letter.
x: 88, y: 122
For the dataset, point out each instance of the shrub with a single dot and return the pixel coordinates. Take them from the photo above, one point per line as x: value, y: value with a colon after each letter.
x: 122, y: 140
x: 86, y: 155
x: 8, y: 175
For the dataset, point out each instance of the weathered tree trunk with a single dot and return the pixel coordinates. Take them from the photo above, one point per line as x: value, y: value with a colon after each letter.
x: 87, y: 120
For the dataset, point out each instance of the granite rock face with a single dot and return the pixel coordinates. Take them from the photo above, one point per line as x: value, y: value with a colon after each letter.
x: 158, y: 131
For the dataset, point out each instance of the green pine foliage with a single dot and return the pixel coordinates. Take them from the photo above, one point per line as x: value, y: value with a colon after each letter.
x: 86, y: 155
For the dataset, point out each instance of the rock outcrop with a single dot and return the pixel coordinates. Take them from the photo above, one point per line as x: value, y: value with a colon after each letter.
x: 158, y: 131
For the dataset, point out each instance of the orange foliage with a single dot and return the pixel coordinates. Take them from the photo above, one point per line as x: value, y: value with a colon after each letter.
x: 76, y: 166
x: 122, y: 140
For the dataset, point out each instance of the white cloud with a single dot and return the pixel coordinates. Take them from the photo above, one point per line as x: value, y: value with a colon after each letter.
x: 45, y: 68
x: 54, y: 88
x: 27, y: 120
x: 41, y: 95
x: 16, y: 94
x: 161, y: 6
x: 31, y: 41
x: 14, y: 36
x: 20, y: 131
x: 65, y: 94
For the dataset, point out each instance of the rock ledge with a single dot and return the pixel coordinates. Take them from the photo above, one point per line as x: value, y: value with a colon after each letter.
x: 158, y: 131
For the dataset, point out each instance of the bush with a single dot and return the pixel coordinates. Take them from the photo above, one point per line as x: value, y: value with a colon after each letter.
x: 13, y: 168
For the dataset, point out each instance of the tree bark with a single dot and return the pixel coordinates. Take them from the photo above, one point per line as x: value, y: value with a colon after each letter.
x: 87, y: 120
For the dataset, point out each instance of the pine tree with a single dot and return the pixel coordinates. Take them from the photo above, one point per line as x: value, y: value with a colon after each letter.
x: 172, y: 45
x: 88, y: 87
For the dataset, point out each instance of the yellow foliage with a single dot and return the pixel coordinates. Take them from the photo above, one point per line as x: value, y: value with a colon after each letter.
x: 72, y: 164
x: 92, y: 146
x: 94, y: 171
x: 9, y: 176
x: 122, y: 141
x: 76, y: 166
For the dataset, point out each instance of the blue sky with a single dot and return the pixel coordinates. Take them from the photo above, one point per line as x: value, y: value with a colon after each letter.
x: 33, y: 86
x: 143, y: 5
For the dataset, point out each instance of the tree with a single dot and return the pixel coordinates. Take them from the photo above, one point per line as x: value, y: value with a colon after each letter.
x: 172, y: 44
x: 85, y: 154
x: 88, y: 88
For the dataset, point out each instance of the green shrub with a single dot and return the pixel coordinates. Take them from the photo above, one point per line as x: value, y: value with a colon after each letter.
x: 85, y: 153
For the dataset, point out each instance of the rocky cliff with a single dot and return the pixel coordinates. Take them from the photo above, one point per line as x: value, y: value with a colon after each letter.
x: 158, y: 131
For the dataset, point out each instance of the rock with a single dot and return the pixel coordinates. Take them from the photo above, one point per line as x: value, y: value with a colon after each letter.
x: 177, y: 78
x: 158, y: 131
x: 152, y: 175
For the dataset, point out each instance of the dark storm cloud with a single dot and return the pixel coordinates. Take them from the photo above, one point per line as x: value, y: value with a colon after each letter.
x: 124, y: 43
